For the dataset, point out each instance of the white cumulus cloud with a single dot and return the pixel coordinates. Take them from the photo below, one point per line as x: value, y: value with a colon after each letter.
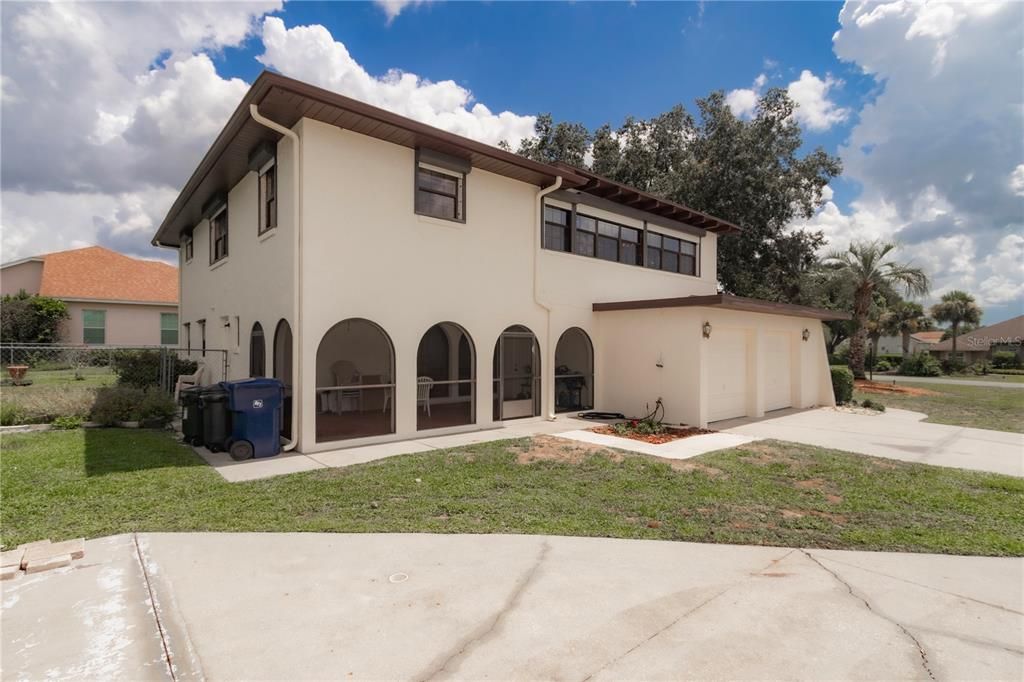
x: 815, y: 110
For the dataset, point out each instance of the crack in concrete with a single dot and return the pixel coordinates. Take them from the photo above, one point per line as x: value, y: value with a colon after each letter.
x: 927, y: 587
x: 849, y: 588
x: 482, y: 633
x: 988, y: 644
x: 681, y: 618
x: 156, y: 609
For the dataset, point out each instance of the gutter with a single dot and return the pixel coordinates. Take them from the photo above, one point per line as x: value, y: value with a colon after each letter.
x: 539, y: 216
x: 297, y: 265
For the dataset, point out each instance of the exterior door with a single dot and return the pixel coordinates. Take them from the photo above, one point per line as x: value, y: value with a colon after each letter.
x: 727, y: 375
x: 518, y: 375
x: 778, y: 374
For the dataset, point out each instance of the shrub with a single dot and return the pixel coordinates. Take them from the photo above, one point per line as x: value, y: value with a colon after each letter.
x: 952, y: 366
x: 1005, y: 359
x: 882, y: 366
x: 67, y: 423
x: 31, y: 319
x: 141, y: 368
x: 1008, y: 372
x: 157, y: 407
x: 920, y: 365
x: 43, y: 404
x: 979, y: 368
x: 116, y: 404
x: 842, y: 385
x: 872, y: 405
x: 842, y: 354
x: 10, y: 415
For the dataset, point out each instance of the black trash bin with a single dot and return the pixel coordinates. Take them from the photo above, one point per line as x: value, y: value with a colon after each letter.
x: 255, y: 406
x: 191, y: 415
x: 216, y: 418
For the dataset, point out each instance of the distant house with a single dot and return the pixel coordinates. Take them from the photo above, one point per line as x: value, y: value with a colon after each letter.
x: 112, y: 299
x: 978, y: 345
x: 893, y: 345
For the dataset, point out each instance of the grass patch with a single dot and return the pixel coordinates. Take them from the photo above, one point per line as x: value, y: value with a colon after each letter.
x: 976, y: 406
x: 994, y: 378
x: 97, y: 482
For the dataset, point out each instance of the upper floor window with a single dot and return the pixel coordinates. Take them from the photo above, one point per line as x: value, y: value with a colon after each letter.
x: 671, y: 254
x: 607, y: 241
x: 268, y: 197
x: 94, y: 326
x: 186, y: 247
x: 557, y: 235
x: 440, y: 193
x: 219, y: 236
x: 168, y: 329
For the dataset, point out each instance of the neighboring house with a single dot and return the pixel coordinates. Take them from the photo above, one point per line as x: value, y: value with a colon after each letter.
x: 978, y: 345
x: 893, y: 345
x: 401, y: 279
x: 112, y: 299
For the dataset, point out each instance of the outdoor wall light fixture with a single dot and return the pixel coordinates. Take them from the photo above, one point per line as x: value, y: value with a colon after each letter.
x: 806, y: 334
x: 707, y: 330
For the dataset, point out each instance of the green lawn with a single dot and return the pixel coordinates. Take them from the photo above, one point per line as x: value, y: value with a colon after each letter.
x: 981, y: 407
x: 994, y: 378
x: 96, y: 482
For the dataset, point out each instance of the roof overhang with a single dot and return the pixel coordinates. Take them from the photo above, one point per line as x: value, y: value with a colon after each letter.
x: 611, y: 190
x: 727, y: 302
x: 286, y: 101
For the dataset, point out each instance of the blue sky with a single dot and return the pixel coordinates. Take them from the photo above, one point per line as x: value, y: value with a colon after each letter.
x: 107, y: 107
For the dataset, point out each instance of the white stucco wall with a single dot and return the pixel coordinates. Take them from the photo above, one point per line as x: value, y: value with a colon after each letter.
x: 253, y: 284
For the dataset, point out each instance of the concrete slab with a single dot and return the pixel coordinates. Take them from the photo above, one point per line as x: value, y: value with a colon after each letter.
x: 303, y: 606
x: 896, y: 434
x: 677, y: 449
x: 368, y: 453
x: 89, y: 621
x: 263, y: 467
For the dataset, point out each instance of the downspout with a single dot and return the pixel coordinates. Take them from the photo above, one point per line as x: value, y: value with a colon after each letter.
x: 297, y: 266
x: 538, y: 213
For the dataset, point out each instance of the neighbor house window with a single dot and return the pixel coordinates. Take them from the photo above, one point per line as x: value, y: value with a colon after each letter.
x: 268, y: 198
x: 168, y: 329
x: 440, y: 193
x: 671, y: 254
x: 219, y: 236
x: 188, y: 337
x: 557, y: 235
x: 94, y: 326
x: 202, y: 336
x: 186, y: 247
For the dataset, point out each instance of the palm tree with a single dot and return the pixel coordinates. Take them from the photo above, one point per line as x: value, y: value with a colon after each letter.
x: 957, y: 308
x: 904, y: 319
x: 864, y: 268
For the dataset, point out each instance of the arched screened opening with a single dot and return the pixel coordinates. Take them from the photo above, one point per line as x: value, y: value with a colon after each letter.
x: 574, y: 371
x: 355, y: 389
x: 283, y: 371
x: 257, y: 351
x: 516, y: 374
x: 445, y: 381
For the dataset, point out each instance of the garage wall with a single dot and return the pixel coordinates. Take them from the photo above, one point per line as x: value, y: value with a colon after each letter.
x: 751, y: 363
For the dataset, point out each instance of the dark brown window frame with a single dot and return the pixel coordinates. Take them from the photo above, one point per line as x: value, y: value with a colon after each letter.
x: 642, y: 243
x: 268, y: 197
x: 215, y: 221
x: 188, y: 336
x: 202, y: 335
x: 566, y: 227
x: 459, y: 196
x: 188, y: 247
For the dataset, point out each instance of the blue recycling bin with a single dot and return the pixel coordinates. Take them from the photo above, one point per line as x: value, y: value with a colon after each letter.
x: 255, y: 406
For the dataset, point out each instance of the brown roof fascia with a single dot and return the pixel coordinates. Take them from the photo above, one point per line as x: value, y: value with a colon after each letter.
x: 728, y: 302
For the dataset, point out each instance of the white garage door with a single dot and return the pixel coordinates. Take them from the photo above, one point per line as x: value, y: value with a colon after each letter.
x: 778, y: 362
x: 727, y: 375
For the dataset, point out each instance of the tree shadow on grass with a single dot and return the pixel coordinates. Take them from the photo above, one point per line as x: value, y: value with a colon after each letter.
x: 115, y: 450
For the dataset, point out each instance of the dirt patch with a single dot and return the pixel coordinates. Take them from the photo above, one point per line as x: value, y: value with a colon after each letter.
x: 684, y: 465
x: 834, y: 499
x: 890, y: 389
x: 667, y: 436
x: 811, y: 484
x: 801, y: 513
x: 554, y: 449
x: 763, y: 455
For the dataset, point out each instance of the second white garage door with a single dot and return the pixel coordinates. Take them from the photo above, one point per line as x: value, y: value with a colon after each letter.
x: 727, y: 375
x: 778, y: 363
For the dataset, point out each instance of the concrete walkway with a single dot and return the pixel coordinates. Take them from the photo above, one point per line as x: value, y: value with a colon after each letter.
x: 889, y: 378
x: 564, y: 426
x: 896, y: 434
x: 424, y: 607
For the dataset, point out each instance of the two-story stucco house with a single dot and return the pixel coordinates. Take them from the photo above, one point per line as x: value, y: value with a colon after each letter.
x: 401, y: 279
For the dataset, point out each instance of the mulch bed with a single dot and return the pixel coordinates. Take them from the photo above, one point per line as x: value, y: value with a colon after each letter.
x: 667, y: 436
x: 875, y: 387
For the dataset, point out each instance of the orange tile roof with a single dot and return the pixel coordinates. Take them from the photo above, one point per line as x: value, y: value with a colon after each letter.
x: 100, y: 274
x: 928, y: 337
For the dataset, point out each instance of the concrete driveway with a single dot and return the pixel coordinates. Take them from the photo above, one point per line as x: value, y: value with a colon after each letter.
x: 896, y: 434
x: 312, y: 606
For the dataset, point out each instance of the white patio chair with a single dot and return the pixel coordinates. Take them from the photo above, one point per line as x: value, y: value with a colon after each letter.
x: 423, y: 387
x: 189, y: 380
x: 345, y: 374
